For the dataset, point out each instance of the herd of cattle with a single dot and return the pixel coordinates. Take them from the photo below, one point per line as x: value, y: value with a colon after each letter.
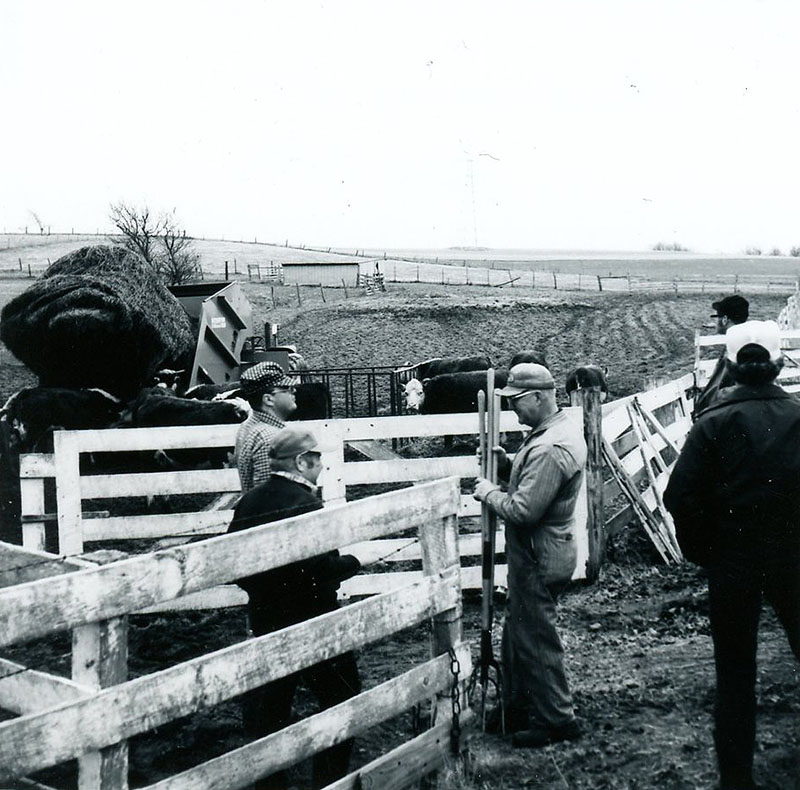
x: 439, y: 386
x: 450, y: 385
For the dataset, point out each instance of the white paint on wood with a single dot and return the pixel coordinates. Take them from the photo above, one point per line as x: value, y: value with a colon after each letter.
x: 145, y: 580
x: 40, y: 740
x: 241, y: 767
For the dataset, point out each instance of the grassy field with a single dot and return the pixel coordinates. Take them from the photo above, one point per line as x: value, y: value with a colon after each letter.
x: 575, y: 270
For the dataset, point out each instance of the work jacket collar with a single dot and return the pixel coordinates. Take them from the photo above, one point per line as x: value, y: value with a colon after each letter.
x: 741, y: 392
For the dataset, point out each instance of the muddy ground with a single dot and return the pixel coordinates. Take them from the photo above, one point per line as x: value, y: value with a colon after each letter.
x: 639, y: 652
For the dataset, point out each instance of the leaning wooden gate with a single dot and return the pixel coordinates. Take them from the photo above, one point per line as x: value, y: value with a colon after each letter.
x: 91, y: 715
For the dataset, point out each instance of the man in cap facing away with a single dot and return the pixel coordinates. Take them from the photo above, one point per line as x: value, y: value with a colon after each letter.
x: 729, y: 311
x: 292, y: 593
x: 270, y: 393
x: 734, y: 494
x: 539, y: 513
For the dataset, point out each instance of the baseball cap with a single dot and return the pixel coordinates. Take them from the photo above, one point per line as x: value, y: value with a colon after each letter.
x: 527, y: 376
x: 735, y: 307
x: 291, y: 441
x: 263, y: 377
x: 763, y: 334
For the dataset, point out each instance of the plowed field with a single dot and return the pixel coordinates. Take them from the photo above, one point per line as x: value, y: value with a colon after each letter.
x: 639, y: 654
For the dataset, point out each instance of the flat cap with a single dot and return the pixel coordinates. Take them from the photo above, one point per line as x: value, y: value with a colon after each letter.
x: 262, y: 377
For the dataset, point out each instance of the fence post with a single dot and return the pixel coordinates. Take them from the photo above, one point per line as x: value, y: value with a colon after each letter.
x: 272, y: 293
x: 297, y: 288
x: 439, y: 548
x: 226, y: 270
x: 555, y: 282
x: 417, y: 272
x: 344, y: 285
x: 20, y: 263
x: 599, y: 283
x: 31, y: 491
x: 595, y: 515
x: 100, y: 660
x: 30, y: 273
x: 322, y: 292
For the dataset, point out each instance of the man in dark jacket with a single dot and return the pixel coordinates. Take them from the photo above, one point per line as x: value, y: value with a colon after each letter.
x: 729, y: 311
x: 290, y: 594
x: 735, y: 497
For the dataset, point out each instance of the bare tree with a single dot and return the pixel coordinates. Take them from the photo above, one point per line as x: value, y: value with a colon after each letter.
x: 139, y: 229
x: 159, y: 240
x: 180, y: 262
x: 38, y: 222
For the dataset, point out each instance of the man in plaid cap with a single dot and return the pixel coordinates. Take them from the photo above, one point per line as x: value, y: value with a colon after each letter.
x: 270, y: 393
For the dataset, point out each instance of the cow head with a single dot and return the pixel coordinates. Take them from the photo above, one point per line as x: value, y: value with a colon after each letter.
x: 414, y: 394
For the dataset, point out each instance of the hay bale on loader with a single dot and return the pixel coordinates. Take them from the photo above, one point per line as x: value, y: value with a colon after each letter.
x: 98, y: 317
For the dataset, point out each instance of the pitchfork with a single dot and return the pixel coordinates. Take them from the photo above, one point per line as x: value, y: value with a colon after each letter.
x: 489, y: 436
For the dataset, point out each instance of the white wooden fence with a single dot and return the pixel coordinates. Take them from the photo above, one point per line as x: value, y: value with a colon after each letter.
x: 90, y: 716
x: 77, y: 526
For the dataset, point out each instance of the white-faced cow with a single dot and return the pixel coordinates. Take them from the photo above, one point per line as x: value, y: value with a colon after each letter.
x: 454, y: 393
x: 587, y: 376
x: 413, y: 390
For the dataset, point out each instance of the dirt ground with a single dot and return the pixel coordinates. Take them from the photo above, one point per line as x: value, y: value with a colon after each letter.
x: 638, y: 649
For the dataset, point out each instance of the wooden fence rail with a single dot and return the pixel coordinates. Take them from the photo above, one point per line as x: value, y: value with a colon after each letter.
x: 77, y: 491
x: 91, y: 718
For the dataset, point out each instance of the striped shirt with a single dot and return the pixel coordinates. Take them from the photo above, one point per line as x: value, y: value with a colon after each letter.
x: 251, y: 453
x: 545, y: 477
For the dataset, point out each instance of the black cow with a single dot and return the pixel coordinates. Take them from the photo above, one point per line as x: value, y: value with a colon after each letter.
x: 159, y: 408
x: 32, y: 414
x: 440, y: 365
x: 313, y: 400
x: 313, y: 397
x: 454, y: 393
x: 527, y: 356
x: 587, y: 376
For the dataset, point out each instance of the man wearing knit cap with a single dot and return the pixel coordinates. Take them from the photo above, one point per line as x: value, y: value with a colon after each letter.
x: 733, y: 495
x: 290, y: 594
x: 729, y: 311
x: 270, y: 393
x: 538, y: 508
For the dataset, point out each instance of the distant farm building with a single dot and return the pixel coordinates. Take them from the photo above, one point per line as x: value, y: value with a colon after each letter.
x: 330, y: 273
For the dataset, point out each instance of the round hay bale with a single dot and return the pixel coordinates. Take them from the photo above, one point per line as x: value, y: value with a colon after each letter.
x: 98, y: 317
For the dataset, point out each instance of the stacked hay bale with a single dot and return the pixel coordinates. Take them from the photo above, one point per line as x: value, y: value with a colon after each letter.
x: 98, y: 317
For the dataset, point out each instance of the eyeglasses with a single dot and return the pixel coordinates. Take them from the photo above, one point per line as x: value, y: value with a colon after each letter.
x: 290, y: 390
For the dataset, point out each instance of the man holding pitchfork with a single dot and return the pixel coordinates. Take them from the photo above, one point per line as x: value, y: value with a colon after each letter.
x: 538, y: 509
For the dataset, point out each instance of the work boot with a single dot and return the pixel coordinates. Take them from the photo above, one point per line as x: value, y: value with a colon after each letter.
x: 539, y: 735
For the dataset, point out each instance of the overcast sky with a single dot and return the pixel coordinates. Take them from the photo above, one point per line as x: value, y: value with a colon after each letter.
x: 589, y: 125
